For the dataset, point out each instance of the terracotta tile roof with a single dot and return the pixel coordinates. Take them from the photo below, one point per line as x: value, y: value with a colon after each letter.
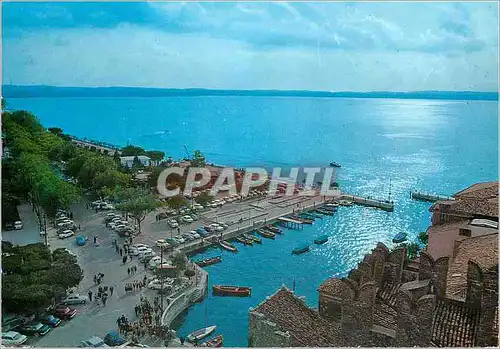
x: 304, y: 324
x: 336, y: 287
x: 454, y: 324
x: 479, y: 191
x: 483, y: 250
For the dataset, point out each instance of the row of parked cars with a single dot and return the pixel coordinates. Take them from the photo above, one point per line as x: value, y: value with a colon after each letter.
x: 192, y: 235
x: 116, y: 222
x: 65, y: 226
x: 16, y: 329
x: 102, y: 205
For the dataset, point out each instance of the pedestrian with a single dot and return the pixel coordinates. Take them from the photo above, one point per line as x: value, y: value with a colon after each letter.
x: 111, y: 289
x: 121, y: 252
x: 90, y: 295
x: 104, y: 301
x: 95, y: 239
x: 79, y: 227
x: 128, y: 271
x: 126, y: 288
x: 117, y: 249
x: 95, y: 279
x: 71, y: 215
x: 124, y: 259
x: 100, y: 289
x: 136, y: 310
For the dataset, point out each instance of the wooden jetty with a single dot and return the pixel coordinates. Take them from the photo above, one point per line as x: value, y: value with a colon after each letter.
x: 321, y: 211
x: 362, y: 201
x: 429, y: 197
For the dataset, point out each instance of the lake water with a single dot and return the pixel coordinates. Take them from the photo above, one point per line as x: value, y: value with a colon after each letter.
x: 383, y: 145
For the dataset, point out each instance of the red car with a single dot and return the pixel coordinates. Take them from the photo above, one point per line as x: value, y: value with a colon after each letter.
x: 64, y: 312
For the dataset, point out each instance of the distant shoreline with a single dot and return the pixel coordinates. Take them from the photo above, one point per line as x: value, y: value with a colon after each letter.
x: 18, y: 91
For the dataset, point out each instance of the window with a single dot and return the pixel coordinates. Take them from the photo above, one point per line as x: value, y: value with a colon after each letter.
x: 464, y: 232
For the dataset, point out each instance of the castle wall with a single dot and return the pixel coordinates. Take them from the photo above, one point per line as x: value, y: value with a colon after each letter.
x: 264, y: 333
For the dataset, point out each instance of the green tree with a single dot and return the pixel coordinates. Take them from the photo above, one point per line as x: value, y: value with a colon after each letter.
x: 26, y: 120
x: 176, y: 202
x: 131, y: 150
x: 139, y: 205
x: 204, y: 198
x: 137, y: 163
x: 179, y: 260
x: 189, y: 273
x: 412, y: 249
x: 155, y: 155
x: 55, y: 130
x: 198, y: 159
x: 423, y: 237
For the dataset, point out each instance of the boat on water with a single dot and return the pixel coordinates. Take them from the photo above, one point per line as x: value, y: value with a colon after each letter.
x: 307, y: 216
x: 215, y: 342
x: 321, y: 239
x: 345, y: 203
x: 274, y: 229
x: 334, y: 164
x: 243, y: 240
x: 303, y: 220
x: 200, y: 334
x: 253, y: 238
x: 266, y: 234
x: 300, y: 249
x: 401, y: 237
x: 209, y: 261
x: 313, y: 215
x: 227, y: 246
x: 319, y: 210
x: 329, y: 208
x: 332, y: 204
x: 234, y: 291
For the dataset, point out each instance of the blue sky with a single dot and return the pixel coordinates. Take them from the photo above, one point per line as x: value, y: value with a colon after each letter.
x: 248, y: 45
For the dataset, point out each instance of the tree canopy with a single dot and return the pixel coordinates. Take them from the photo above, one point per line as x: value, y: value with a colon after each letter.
x: 137, y: 202
x: 155, y: 155
x: 198, y: 159
x: 33, y: 277
x: 131, y: 150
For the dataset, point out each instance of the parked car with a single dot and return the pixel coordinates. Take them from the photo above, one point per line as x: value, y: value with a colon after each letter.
x: 216, y: 227
x: 202, y: 232
x: 18, y: 225
x: 171, y: 241
x: 155, y: 261
x: 187, y: 237
x: 140, y: 250
x: 162, y: 243
x: 93, y: 342
x: 9, y: 226
x: 146, y: 255
x: 64, y: 312
x: 74, y: 299
x: 173, y: 223
x: 187, y: 219
x: 13, y: 338
x: 34, y: 328
x: 48, y: 319
x: 134, y: 248
x: 66, y: 234
x: 194, y: 234
x: 179, y: 239
x: 113, y: 339
x: 9, y: 322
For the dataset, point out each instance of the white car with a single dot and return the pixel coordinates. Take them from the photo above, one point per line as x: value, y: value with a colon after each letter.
x: 224, y: 225
x: 13, y: 338
x: 216, y: 227
x: 198, y: 207
x: 74, y: 299
x: 146, y: 254
x: 112, y: 225
x: 119, y: 227
x: 179, y: 239
x: 194, y: 234
x: 162, y: 243
x: 173, y: 223
x: 156, y: 261
x: 213, y: 205
x: 156, y: 283
x: 187, y: 219
x: 140, y: 250
x: 66, y: 234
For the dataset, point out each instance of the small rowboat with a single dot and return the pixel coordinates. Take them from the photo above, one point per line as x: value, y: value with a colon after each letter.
x: 332, y: 204
x: 401, y: 237
x: 273, y: 229
x: 300, y: 249
x: 329, y: 208
x: 313, y: 215
x: 215, y: 342
x: 266, y: 234
x: 235, y: 291
x: 319, y: 210
x: 321, y: 239
x: 227, y: 246
x: 307, y: 216
x: 209, y: 261
x: 345, y: 203
x: 303, y: 220
x: 334, y: 164
x: 200, y: 334
x: 243, y: 240
x: 253, y: 238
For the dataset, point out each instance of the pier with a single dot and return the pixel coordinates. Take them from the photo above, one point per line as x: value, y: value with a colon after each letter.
x: 359, y: 200
x: 415, y: 195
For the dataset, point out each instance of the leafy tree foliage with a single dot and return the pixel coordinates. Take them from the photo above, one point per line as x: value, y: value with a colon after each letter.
x: 137, y: 163
x: 32, y: 276
x: 131, y: 150
x: 198, y: 159
x: 138, y: 203
x: 155, y: 155
x: 176, y: 202
x: 204, y: 198
x: 423, y: 237
x: 179, y: 260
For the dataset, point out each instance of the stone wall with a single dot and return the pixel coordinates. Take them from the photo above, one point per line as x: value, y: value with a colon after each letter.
x: 488, y: 323
x: 265, y: 333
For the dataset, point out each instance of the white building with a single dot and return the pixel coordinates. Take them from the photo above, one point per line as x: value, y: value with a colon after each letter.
x: 128, y: 161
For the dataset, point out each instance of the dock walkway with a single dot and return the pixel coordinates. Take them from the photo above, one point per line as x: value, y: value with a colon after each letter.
x: 359, y: 200
x: 429, y: 197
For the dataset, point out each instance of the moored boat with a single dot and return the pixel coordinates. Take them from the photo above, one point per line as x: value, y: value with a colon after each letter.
x: 345, y: 203
x: 243, y: 240
x: 401, y: 237
x: 307, y: 216
x: 235, y: 291
x: 209, y: 261
x: 200, y: 334
x: 273, y: 229
x: 314, y: 215
x: 329, y: 208
x: 266, y: 234
x: 215, y: 342
x: 227, y: 246
x: 321, y: 239
x: 334, y: 164
x: 300, y: 249
x: 303, y: 220
x: 332, y: 204
x: 253, y: 238
x: 319, y: 210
